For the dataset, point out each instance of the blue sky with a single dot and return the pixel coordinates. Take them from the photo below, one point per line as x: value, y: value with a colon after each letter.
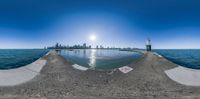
x: 120, y: 23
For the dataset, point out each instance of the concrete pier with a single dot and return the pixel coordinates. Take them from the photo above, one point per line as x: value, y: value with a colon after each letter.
x: 185, y: 76
x: 23, y: 74
x: 59, y: 80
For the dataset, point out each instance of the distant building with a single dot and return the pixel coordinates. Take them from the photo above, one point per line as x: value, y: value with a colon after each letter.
x: 101, y: 46
x: 148, y: 45
x: 84, y: 45
x: 97, y: 47
x: 90, y: 46
x: 57, y: 45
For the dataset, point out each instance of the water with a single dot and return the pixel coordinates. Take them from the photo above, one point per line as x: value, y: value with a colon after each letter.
x: 100, y: 59
x: 14, y: 58
x: 187, y: 58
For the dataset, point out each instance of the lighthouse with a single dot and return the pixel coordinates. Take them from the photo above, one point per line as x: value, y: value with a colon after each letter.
x: 148, y: 45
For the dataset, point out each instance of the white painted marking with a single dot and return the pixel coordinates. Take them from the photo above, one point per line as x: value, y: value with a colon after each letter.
x: 125, y: 69
x: 76, y: 66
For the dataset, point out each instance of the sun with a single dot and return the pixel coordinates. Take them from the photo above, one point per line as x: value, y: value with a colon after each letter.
x: 93, y: 37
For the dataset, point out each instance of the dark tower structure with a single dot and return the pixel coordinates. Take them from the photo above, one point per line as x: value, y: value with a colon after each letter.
x: 148, y: 45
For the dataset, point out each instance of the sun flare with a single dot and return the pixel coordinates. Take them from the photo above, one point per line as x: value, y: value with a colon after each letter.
x: 92, y: 37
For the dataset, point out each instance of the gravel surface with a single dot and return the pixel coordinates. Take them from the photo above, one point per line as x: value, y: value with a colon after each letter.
x: 59, y: 80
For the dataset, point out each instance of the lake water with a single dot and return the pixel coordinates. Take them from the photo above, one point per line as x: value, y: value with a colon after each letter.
x: 187, y: 58
x: 100, y: 59
x: 14, y: 58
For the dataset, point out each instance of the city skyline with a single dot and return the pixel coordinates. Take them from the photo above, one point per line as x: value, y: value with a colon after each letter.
x: 122, y: 23
x: 85, y: 46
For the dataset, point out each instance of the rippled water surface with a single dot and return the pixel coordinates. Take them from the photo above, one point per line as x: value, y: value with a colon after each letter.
x: 187, y: 58
x: 100, y: 59
x: 13, y: 58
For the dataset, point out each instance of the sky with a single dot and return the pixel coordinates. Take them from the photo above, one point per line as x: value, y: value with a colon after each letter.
x: 170, y: 24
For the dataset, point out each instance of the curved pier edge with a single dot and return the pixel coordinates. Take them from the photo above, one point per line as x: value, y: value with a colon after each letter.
x: 185, y: 76
x: 23, y: 74
x: 79, y: 67
x: 157, y: 54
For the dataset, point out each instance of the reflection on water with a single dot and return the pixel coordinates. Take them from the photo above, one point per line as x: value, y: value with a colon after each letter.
x: 100, y: 59
x: 92, y: 58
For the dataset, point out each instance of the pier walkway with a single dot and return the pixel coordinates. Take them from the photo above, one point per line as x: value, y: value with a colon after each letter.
x: 58, y: 80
